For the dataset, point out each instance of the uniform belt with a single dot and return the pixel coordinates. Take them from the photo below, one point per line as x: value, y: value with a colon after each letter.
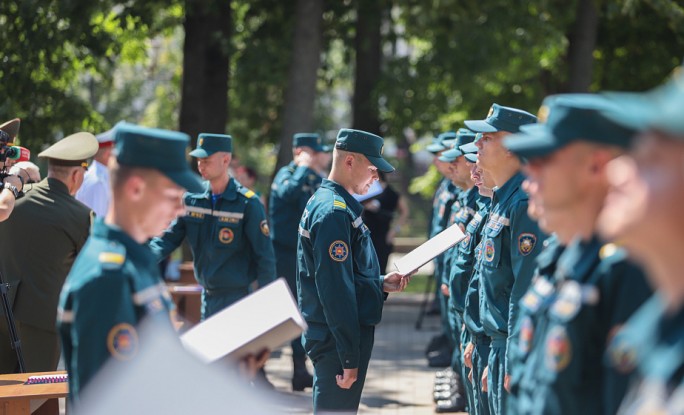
x: 227, y: 291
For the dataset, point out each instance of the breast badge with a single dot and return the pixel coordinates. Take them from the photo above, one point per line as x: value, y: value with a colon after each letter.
x: 226, y: 235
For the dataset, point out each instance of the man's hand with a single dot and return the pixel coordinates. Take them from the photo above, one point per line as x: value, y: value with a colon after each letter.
x: 395, y: 282
x: 27, y: 170
x: 347, y: 378
x: 250, y: 364
x: 445, y: 290
x: 485, y: 373
x: 468, y: 355
x: 304, y: 158
x: 507, y: 382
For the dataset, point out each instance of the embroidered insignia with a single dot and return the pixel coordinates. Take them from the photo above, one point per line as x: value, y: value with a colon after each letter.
x: 526, y: 334
x: 339, y: 204
x: 526, y: 243
x: 249, y: 194
x: 531, y: 301
x: 111, y: 258
x: 465, y: 241
x: 558, y: 349
x: 228, y: 220
x: 569, y: 301
x: 338, y: 251
x: 196, y: 215
x: 542, y: 114
x: 264, y: 228
x: 226, y: 235
x: 201, y: 141
x: 478, y: 251
x: 622, y: 354
x: 122, y: 341
x: 489, y: 250
x: 607, y: 250
x: 382, y: 149
x: 491, y: 111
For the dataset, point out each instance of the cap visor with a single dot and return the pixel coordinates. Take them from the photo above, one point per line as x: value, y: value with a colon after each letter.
x: 199, y: 153
x: 381, y: 164
x: 450, y: 155
x: 468, y: 148
x: 471, y: 157
x: 480, y: 126
x: 187, y: 180
x: 435, y: 148
x: 633, y: 110
x: 326, y: 149
x: 533, y: 143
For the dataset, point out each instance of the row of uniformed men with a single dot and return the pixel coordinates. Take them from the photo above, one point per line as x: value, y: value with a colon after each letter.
x: 540, y: 330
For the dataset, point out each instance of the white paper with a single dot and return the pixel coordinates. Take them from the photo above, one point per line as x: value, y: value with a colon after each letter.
x: 429, y: 249
x: 374, y: 190
x: 267, y: 318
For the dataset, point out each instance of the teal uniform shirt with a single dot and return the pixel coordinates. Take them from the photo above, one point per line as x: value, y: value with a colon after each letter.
x: 471, y: 303
x: 291, y: 189
x: 445, y: 199
x: 533, y: 303
x: 462, y: 255
x: 510, y: 243
x: 594, y: 291
x: 230, y: 244
x: 338, y: 274
x: 652, y: 345
x: 113, y: 284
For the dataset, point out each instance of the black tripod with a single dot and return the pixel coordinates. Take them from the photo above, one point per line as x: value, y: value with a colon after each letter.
x: 13, y: 334
x: 429, y: 287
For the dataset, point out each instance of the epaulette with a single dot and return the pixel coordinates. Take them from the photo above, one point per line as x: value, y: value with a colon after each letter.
x: 339, y: 203
x: 248, y: 193
x: 113, y: 258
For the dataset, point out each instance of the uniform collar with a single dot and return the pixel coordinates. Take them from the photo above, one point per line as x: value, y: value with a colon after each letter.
x: 579, y: 258
x: 140, y: 252
x: 55, y: 185
x: 230, y: 193
x: 352, y: 203
x: 548, y: 257
x: 504, y: 192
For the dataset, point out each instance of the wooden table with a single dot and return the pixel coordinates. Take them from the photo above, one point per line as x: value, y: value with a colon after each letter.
x: 15, y: 397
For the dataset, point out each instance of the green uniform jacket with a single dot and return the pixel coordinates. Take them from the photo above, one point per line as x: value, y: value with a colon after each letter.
x: 291, y: 189
x: 339, y: 286
x: 471, y: 303
x: 113, y: 284
x: 652, y: 344
x: 460, y: 266
x: 510, y: 243
x: 445, y: 198
x: 593, y: 293
x: 230, y: 241
x: 39, y: 242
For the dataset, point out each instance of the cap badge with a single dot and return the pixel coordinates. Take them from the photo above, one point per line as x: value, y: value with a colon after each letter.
x: 543, y: 114
x: 200, y: 142
x: 491, y: 111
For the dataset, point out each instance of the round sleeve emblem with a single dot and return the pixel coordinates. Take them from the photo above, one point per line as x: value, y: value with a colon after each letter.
x: 264, y: 228
x: 526, y: 335
x: 558, y: 349
x: 339, y: 251
x: 122, y: 341
x: 226, y: 235
x: 526, y: 243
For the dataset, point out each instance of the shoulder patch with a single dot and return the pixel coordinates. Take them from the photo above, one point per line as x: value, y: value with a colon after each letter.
x: 339, y: 251
x: 526, y: 243
x: 248, y: 193
x: 558, y: 349
x: 122, y: 341
x: 264, y: 228
x: 339, y: 203
x: 111, y: 260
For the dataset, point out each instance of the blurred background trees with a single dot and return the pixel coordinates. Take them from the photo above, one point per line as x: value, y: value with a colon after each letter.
x: 264, y: 69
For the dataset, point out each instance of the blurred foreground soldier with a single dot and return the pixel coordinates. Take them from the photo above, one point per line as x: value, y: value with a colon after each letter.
x: 568, y: 320
x: 115, y: 281
x: 292, y: 187
x: 644, y: 212
x: 95, y: 192
x: 12, y: 186
x: 510, y: 243
x: 225, y: 226
x: 40, y: 241
x: 340, y: 289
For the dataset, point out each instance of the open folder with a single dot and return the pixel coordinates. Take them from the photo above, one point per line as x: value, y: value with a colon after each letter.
x: 429, y: 250
x: 267, y: 318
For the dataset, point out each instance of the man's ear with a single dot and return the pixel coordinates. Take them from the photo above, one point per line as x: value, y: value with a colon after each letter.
x: 349, y: 161
x: 135, y: 187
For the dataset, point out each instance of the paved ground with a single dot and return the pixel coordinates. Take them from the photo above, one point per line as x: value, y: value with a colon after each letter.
x: 399, y: 380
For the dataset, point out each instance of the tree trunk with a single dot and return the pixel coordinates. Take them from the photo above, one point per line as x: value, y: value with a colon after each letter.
x: 368, y: 60
x: 300, y: 94
x: 206, y: 56
x: 582, y: 41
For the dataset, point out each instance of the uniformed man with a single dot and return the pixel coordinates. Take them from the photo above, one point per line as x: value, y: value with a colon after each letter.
x: 39, y: 243
x: 226, y: 228
x: 292, y: 187
x: 643, y: 211
x: 570, y: 317
x: 12, y: 185
x: 443, y: 200
x: 95, y: 192
x: 510, y: 243
x: 476, y: 342
x: 340, y: 289
x: 115, y: 281
x: 452, y: 397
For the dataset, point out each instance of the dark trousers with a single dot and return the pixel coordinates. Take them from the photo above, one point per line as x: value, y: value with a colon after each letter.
x: 286, y: 266
x: 495, y: 380
x: 327, y: 396
x: 40, y: 348
x: 480, y: 358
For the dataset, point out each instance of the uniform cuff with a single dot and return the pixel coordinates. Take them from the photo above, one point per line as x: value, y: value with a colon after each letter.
x: 350, y: 361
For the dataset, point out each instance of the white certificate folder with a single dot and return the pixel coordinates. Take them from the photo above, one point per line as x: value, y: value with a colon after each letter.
x: 429, y: 250
x: 267, y: 318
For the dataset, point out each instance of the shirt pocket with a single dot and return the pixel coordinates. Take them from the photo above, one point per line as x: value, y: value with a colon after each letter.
x: 227, y: 236
x: 492, y: 244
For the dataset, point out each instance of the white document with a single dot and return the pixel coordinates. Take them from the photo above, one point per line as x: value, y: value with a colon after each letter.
x: 374, y: 190
x: 429, y: 250
x: 267, y: 318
